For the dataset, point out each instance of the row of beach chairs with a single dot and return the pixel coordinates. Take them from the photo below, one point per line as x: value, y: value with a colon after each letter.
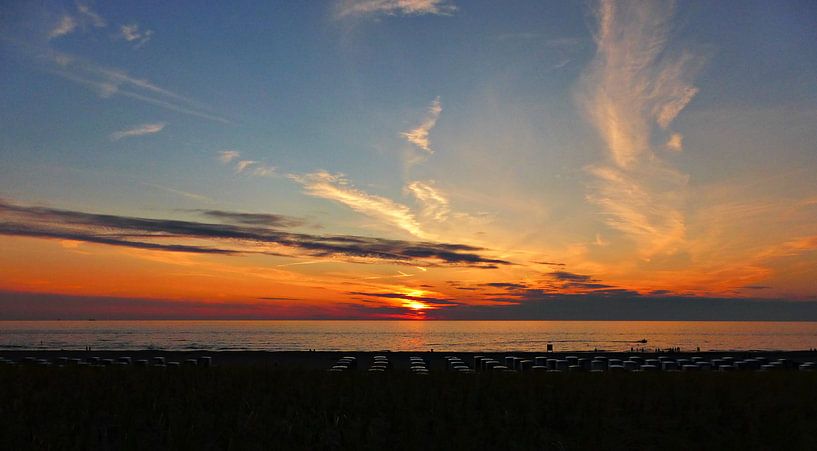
x: 630, y: 364
x: 597, y: 364
x: 124, y: 361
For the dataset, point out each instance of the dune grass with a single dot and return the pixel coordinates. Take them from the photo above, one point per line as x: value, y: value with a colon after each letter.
x: 256, y: 407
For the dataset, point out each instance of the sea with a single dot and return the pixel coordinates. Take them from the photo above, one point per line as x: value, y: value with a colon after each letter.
x: 462, y: 336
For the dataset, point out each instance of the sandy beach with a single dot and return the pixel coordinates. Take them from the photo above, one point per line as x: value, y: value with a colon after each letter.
x: 288, y: 400
x: 317, y: 360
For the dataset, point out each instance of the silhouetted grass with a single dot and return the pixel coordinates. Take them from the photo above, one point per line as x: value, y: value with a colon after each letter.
x: 266, y: 408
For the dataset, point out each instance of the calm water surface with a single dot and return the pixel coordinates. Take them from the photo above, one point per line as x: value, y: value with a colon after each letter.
x: 405, y: 335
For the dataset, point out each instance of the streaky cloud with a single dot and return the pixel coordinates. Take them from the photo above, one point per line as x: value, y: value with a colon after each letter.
x: 84, y: 17
x: 132, y: 33
x: 254, y: 168
x: 351, y: 8
x: 26, y: 230
x: 419, y: 136
x: 242, y: 165
x: 189, y: 195
x: 633, y: 89
x: 260, y: 219
x: 633, y: 81
x: 262, y: 170
x: 227, y: 156
x: 109, y: 82
x: 95, y: 19
x: 644, y: 204
x: 65, y: 26
x: 338, y: 188
x: 139, y: 130
x: 506, y: 285
x: 433, y: 203
x: 423, y: 299
x: 569, y: 276
x: 229, y: 239
x: 251, y: 167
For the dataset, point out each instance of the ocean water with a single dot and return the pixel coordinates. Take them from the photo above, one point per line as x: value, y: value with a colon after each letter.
x: 463, y: 336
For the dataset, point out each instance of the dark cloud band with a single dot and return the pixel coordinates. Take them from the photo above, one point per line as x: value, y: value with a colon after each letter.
x: 227, y: 239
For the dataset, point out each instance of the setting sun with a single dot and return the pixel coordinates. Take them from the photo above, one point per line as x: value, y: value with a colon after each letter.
x: 415, y: 305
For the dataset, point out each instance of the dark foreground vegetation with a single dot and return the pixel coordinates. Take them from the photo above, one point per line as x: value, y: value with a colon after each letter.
x: 258, y: 407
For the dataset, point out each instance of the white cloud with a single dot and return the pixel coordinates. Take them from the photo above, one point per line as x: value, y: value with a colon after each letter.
x: 251, y: 167
x: 644, y: 207
x: 139, y: 130
x: 395, y: 7
x: 95, y: 19
x: 108, y: 82
x: 419, y: 135
x: 338, y: 188
x: 241, y: 165
x: 66, y: 25
x: 675, y: 103
x: 189, y: 195
x: 633, y: 84
x: 433, y: 203
x: 132, y: 33
x: 263, y: 170
x: 227, y: 156
x: 676, y: 142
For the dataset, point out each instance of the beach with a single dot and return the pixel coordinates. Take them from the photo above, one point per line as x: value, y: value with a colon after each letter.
x: 288, y: 400
x: 317, y: 360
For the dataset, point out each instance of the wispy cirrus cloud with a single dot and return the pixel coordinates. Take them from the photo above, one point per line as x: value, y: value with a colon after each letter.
x: 132, y: 33
x: 108, y: 82
x: 227, y: 156
x: 242, y: 165
x: 633, y: 83
x: 433, y: 203
x: 645, y: 205
x: 66, y: 25
x: 792, y: 247
x: 90, y: 15
x: 138, y: 130
x: 634, y: 88
x: 338, y: 188
x: 188, y: 195
x: 83, y: 17
x: 263, y: 170
x: 675, y: 142
x: 352, y: 8
x: 236, y: 238
x: 251, y: 167
x: 419, y: 136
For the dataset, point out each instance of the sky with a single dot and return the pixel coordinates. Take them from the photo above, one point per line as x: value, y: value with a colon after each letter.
x: 408, y: 159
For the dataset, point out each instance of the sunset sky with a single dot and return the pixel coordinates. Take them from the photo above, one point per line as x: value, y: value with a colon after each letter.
x: 408, y: 159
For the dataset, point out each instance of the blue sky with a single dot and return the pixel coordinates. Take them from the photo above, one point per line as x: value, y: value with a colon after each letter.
x: 651, y: 147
